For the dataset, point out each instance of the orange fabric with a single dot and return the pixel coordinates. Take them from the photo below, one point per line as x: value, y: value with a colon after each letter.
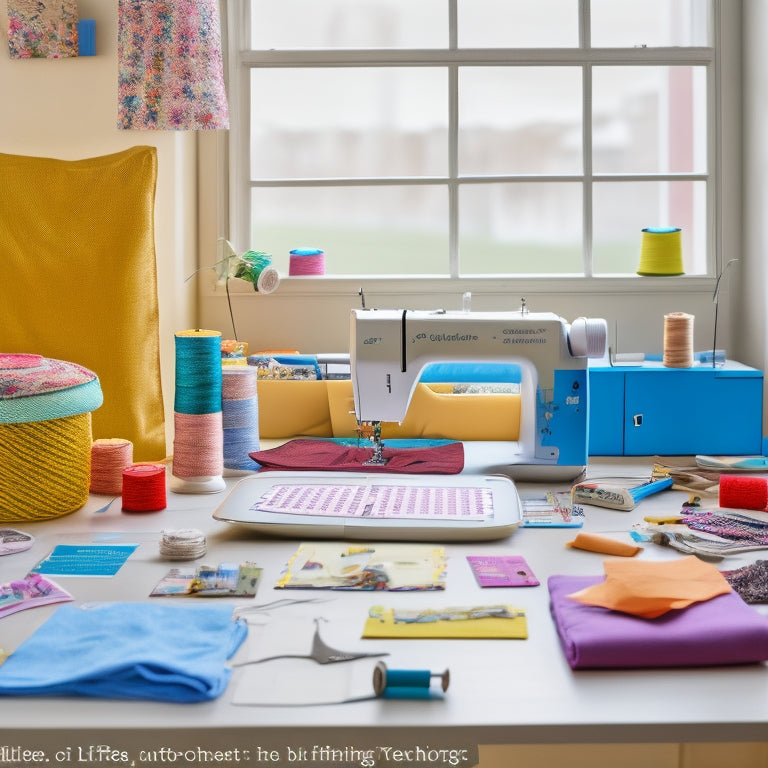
x: 594, y: 543
x: 651, y: 589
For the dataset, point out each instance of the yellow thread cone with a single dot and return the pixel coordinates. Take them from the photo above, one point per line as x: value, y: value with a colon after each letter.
x: 661, y: 252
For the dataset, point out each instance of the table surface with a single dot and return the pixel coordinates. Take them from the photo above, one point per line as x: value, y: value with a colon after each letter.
x: 501, y: 691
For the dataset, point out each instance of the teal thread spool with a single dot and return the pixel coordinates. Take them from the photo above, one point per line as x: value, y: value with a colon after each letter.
x: 407, y: 683
x: 198, y: 372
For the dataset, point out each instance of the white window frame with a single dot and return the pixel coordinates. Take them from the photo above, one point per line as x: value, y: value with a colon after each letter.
x: 723, y: 151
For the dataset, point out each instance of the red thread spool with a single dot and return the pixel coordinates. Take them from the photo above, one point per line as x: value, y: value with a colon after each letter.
x: 144, y: 488
x: 740, y: 492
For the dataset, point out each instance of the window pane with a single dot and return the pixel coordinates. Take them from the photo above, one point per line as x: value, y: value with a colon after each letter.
x: 290, y: 24
x: 356, y: 122
x: 649, y: 119
x: 623, y: 209
x: 523, y: 228
x: 520, y: 120
x: 652, y: 23
x: 393, y: 230
x: 518, y: 23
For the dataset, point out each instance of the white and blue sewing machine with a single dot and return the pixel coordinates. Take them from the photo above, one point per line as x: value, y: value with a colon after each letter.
x: 389, y: 349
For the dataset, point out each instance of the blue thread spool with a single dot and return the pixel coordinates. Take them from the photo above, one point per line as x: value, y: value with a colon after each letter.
x: 407, y: 683
x: 240, y: 418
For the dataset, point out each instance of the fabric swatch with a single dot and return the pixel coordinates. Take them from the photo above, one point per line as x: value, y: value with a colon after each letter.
x: 42, y: 29
x: 170, y: 66
x: 721, y: 631
x: 308, y: 455
x: 127, y: 651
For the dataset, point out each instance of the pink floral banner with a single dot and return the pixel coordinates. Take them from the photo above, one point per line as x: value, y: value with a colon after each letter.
x: 42, y: 29
x: 170, y: 66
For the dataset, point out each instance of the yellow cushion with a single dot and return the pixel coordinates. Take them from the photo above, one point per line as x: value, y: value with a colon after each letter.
x: 78, y: 280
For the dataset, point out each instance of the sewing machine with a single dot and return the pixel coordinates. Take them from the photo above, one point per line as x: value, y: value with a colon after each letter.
x: 390, y: 348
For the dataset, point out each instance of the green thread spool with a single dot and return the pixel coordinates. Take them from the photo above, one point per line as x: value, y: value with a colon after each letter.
x: 661, y: 252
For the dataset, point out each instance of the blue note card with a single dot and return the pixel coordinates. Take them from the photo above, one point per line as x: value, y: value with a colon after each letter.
x: 85, y: 559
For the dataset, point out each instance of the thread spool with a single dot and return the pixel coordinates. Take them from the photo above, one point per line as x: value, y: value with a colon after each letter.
x: 661, y: 252
x: 306, y: 261
x: 678, y: 340
x: 144, y: 488
x: 256, y: 268
x: 240, y: 419
x: 182, y: 544
x: 407, y: 683
x: 109, y: 457
x: 198, y: 455
x: 739, y: 492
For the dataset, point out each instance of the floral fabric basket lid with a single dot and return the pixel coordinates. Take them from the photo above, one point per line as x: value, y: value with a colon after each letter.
x: 36, y: 388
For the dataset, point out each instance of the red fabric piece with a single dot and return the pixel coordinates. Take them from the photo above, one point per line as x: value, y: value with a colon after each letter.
x: 303, y: 455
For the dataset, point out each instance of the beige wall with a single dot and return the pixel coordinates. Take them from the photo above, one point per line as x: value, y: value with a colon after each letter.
x: 67, y: 108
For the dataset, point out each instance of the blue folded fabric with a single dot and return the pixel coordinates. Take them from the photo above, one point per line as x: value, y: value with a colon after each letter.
x: 127, y: 651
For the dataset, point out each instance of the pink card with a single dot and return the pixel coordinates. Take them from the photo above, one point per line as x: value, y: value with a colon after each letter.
x: 502, y: 571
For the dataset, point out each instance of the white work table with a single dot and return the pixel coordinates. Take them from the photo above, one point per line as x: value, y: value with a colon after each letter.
x: 501, y: 691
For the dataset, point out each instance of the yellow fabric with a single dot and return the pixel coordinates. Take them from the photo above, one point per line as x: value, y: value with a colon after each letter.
x: 434, y: 414
x: 651, y: 589
x: 78, y: 280
x: 291, y: 408
x: 327, y: 409
x: 46, y: 468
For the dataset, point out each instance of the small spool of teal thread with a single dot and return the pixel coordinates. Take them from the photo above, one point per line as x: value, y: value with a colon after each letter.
x: 256, y: 267
x: 198, y: 372
x: 407, y: 683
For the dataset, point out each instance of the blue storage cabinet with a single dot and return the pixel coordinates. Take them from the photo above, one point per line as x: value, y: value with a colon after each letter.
x: 649, y: 409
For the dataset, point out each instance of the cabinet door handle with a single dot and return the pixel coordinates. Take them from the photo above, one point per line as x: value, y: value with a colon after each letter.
x: 637, y: 419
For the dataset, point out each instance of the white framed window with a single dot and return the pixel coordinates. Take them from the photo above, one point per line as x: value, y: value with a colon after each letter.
x: 476, y: 140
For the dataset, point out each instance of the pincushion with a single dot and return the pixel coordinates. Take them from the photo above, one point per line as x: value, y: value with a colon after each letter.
x: 45, y: 436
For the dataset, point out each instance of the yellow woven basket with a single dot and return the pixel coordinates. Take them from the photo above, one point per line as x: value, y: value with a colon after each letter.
x: 46, y: 468
x: 45, y: 437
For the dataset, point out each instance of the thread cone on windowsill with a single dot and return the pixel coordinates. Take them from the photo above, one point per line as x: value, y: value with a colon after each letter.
x: 661, y: 252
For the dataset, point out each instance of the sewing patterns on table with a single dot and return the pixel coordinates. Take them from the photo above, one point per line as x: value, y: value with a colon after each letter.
x: 31, y: 591
x: 85, y: 559
x: 222, y: 580
x: 395, y: 567
x: 475, y: 621
x: 379, y: 501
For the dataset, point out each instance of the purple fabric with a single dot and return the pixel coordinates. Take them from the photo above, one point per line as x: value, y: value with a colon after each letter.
x: 723, y: 630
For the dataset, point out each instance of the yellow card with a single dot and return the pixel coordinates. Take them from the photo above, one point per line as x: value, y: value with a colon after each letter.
x: 483, y: 621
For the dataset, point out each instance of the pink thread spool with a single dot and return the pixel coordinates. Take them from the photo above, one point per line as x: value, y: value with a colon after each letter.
x: 740, y: 492
x: 109, y: 457
x: 306, y: 261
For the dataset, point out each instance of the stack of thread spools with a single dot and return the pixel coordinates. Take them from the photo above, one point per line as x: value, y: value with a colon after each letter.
x: 198, y: 453
x: 240, y: 418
